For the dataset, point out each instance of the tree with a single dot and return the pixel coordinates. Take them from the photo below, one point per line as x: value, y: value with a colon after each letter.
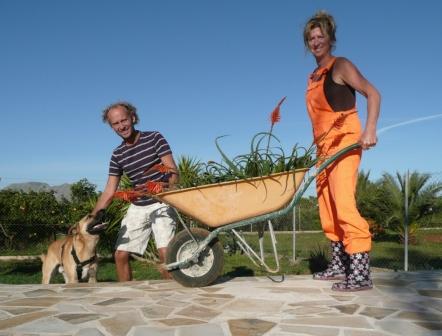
x: 422, y: 198
x: 83, y: 191
x: 366, y: 196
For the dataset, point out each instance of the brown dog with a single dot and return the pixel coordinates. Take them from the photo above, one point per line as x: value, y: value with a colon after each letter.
x: 75, y: 255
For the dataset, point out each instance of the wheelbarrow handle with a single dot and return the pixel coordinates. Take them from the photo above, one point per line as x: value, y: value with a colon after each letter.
x: 336, y: 156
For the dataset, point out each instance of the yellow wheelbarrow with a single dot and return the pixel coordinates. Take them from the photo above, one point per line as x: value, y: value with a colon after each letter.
x: 195, y: 257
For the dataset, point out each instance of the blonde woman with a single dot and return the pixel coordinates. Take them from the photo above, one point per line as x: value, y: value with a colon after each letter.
x: 331, y: 104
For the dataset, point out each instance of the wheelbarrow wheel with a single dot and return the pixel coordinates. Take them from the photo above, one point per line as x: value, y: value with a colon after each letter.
x: 210, y: 261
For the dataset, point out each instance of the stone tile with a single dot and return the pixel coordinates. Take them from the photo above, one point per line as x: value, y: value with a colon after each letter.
x: 431, y: 292
x: 159, y: 295
x: 377, y: 313
x: 86, y: 300
x: 368, y: 301
x: 396, y: 290
x: 89, y: 332
x: 333, y: 321
x: 307, y: 330
x: 156, y: 311
x: 200, y: 330
x: 120, y: 324
x: 401, y: 305
x: 21, y: 319
x: 401, y: 327
x: 47, y: 325
x: 431, y: 325
x: 210, y: 302
x: 78, y: 291
x: 254, y: 306
x: 419, y: 316
x: 33, y: 302
x: 78, y: 318
x: 310, y: 310
x: 249, y: 327
x: 113, y: 301
x: 124, y: 294
x: 70, y: 308
x: 4, y: 315
x: 313, y: 303
x: 427, y: 284
x: 172, y: 303
x: 40, y: 292
x: 347, y: 309
x: 20, y: 310
x: 202, y: 313
x: 390, y: 282
x: 430, y: 303
x: 292, y: 289
x: 212, y: 289
x: 175, y: 322
x: 343, y: 298
x: 364, y: 333
x: 151, y: 331
x: 218, y: 296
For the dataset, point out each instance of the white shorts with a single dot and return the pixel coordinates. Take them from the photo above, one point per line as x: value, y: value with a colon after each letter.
x: 138, y: 224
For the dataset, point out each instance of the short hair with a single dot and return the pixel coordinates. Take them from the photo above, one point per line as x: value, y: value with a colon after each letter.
x: 130, y: 109
x: 325, y: 22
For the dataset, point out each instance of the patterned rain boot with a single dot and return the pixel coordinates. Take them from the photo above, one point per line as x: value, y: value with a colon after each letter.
x: 336, y: 267
x: 358, y: 276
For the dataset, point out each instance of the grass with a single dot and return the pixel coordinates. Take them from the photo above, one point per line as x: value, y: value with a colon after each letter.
x: 311, y: 253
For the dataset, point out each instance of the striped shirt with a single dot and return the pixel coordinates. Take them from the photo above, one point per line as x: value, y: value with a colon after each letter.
x: 136, y: 159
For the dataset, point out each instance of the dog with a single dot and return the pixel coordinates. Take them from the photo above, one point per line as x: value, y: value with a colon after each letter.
x: 75, y: 255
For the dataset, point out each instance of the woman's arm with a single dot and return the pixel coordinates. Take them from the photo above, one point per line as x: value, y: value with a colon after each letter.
x: 346, y: 73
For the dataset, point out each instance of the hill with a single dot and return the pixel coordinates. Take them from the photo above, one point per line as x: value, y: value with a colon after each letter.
x: 60, y: 191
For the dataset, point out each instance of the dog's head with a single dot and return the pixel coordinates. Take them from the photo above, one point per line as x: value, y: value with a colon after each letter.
x: 92, y: 224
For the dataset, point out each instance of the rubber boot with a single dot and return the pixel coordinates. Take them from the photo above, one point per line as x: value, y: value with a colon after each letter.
x: 358, y: 274
x: 337, y: 266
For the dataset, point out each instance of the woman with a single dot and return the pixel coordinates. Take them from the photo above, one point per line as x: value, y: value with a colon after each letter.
x: 331, y: 104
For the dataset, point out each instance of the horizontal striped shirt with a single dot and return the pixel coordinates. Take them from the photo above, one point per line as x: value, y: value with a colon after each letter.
x: 136, y: 159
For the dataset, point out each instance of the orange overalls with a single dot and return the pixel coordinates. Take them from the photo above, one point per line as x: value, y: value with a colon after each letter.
x: 336, y: 185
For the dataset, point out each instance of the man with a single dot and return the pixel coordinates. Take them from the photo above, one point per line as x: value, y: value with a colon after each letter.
x: 138, y: 152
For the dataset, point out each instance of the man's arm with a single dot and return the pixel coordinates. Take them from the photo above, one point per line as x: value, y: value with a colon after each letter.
x: 106, y: 196
x: 168, y: 161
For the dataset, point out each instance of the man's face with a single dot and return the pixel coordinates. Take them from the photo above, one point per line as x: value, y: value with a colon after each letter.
x: 121, y: 122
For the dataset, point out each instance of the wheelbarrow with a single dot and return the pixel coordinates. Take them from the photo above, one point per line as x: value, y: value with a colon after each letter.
x: 195, y: 256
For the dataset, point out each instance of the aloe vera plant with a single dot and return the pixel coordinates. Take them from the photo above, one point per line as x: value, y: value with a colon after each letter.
x: 262, y: 159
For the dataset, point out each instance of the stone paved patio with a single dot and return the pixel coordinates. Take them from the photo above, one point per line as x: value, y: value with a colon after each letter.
x: 400, y: 304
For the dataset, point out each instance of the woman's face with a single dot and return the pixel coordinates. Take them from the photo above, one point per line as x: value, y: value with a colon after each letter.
x: 318, y: 43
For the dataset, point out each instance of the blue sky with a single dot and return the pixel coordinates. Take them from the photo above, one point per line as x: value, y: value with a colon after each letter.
x: 200, y: 69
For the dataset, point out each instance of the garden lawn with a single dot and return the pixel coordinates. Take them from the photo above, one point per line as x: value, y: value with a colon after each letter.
x: 311, y: 253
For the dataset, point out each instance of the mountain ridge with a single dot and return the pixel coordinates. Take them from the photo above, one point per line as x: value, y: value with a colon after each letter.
x: 60, y: 191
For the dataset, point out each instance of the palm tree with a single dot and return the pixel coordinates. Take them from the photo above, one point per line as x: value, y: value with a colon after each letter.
x: 190, y: 170
x: 366, y: 195
x: 422, y: 197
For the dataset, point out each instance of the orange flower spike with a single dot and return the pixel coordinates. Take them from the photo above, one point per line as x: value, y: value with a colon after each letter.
x: 127, y: 195
x: 154, y: 187
x: 160, y: 168
x: 275, y: 116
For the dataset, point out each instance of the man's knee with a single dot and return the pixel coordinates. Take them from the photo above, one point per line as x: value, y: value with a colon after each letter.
x: 121, y: 256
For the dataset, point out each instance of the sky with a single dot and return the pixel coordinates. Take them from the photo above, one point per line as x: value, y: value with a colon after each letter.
x: 200, y: 69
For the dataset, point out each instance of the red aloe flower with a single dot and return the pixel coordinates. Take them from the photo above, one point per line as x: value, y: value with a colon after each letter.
x: 159, y: 167
x: 154, y: 187
x: 127, y: 195
x: 275, y: 116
